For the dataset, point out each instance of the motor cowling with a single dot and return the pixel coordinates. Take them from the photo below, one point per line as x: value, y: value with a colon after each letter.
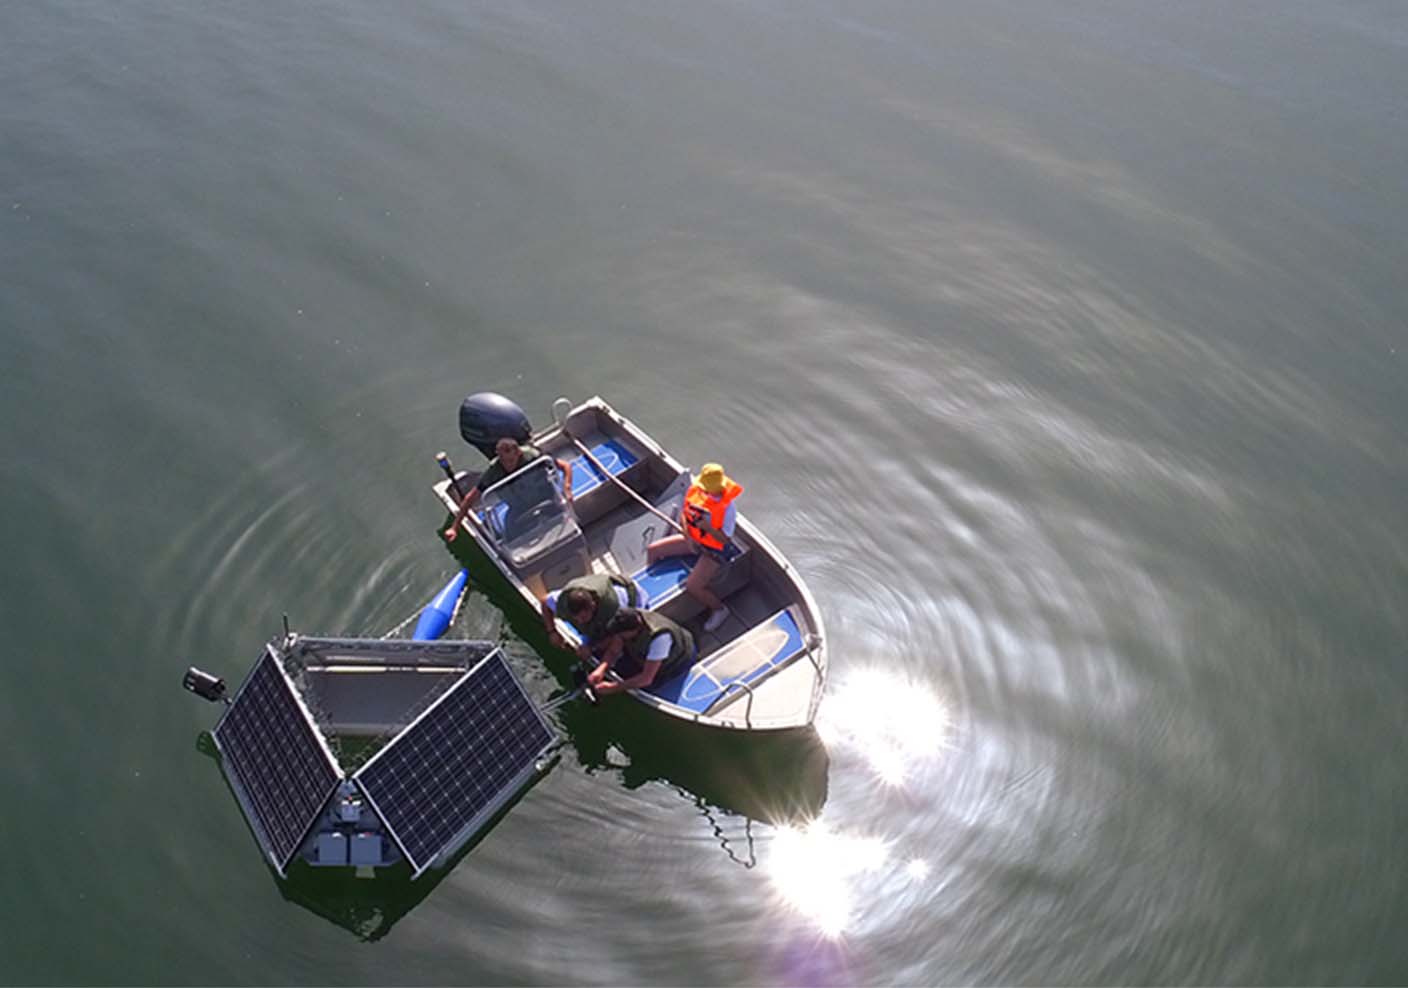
x: 487, y: 417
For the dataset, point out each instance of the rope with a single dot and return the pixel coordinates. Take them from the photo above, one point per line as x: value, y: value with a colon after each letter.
x: 396, y: 630
x: 622, y: 484
x: 417, y: 613
x: 561, y: 701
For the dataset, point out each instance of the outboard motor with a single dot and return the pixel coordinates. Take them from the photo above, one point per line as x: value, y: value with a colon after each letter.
x: 486, y: 417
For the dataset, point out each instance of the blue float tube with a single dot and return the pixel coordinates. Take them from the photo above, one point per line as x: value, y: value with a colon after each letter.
x: 438, y: 614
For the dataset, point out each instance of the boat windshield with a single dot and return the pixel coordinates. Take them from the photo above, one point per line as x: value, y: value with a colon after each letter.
x: 526, y: 515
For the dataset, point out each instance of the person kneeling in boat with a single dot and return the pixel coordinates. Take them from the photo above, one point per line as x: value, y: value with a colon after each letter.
x: 642, y: 647
x: 708, y: 518
x: 589, y: 603
x: 510, y: 458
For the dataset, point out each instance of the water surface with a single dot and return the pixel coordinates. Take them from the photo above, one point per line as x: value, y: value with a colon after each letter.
x: 1060, y: 346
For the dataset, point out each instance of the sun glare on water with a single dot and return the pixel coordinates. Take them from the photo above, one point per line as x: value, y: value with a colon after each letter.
x: 827, y: 875
x: 812, y: 868
x: 817, y: 872
x: 892, y: 721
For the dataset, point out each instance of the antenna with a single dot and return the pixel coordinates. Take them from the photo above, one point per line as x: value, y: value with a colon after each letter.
x: 443, y: 461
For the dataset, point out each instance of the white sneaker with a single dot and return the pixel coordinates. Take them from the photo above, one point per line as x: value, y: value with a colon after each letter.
x: 716, y: 618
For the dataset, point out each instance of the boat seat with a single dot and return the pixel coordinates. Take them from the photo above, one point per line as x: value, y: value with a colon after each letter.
x: 663, y: 580
x: 611, y: 452
x: 528, y: 520
x: 496, y: 518
x: 718, y: 679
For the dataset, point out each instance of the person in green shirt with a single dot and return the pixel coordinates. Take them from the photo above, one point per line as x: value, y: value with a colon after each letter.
x: 642, y: 647
x: 511, y: 456
x: 589, y: 603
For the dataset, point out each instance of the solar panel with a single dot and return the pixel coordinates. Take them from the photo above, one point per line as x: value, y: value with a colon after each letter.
x: 458, y: 763
x: 279, y: 765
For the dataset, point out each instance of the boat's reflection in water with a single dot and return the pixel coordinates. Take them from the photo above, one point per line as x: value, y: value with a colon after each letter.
x: 771, y: 777
x: 825, y: 871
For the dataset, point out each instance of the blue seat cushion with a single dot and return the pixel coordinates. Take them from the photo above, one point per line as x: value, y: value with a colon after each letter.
x: 494, y: 517
x: 613, y: 454
x: 663, y: 579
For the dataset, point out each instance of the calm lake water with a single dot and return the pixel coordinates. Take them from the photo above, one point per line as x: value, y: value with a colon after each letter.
x: 1061, y: 346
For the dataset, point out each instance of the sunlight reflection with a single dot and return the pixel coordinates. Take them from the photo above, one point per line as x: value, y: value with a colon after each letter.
x: 812, y: 867
x: 893, y: 721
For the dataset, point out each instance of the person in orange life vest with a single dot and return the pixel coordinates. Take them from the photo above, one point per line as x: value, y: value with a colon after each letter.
x: 708, y: 519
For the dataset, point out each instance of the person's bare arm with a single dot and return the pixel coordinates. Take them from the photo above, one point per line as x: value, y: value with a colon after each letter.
x: 644, y: 678
x: 465, y: 505
x: 566, y: 469
x: 550, y: 625
x: 610, y: 652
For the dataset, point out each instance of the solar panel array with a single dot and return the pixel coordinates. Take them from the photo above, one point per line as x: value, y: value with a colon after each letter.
x: 457, y: 763
x: 271, y: 749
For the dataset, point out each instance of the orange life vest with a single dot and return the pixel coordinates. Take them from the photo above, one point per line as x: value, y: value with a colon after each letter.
x: 698, y: 503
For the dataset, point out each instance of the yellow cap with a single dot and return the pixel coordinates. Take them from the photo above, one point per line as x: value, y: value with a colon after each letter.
x: 711, y: 478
